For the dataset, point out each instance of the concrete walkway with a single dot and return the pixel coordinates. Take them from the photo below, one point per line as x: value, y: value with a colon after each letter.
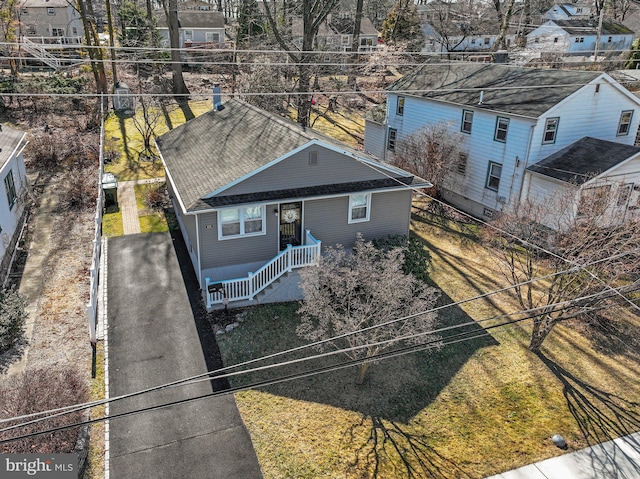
x: 158, y: 333
x: 127, y: 203
x: 32, y: 281
x: 617, y: 459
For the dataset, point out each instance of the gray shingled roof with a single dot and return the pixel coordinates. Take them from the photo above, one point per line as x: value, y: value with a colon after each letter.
x: 9, y: 140
x: 520, y: 90
x: 590, y: 27
x: 196, y: 19
x: 219, y: 147
x: 584, y: 159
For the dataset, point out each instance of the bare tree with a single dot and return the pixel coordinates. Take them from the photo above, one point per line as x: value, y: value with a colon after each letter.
x: 588, y: 253
x: 96, y: 53
x: 9, y: 26
x: 432, y: 153
x: 314, y: 14
x: 353, y: 290
x: 179, y: 86
x: 146, y: 120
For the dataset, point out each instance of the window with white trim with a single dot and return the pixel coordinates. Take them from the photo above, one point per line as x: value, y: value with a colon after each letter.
x: 625, y: 122
x: 10, y: 187
x: 212, y: 37
x: 400, y: 106
x: 359, y: 207
x: 550, y: 130
x: 238, y: 222
x: 391, y: 141
x: 51, y: 11
x: 502, y: 127
x: 188, y: 35
x: 467, y: 121
x: 493, y: 176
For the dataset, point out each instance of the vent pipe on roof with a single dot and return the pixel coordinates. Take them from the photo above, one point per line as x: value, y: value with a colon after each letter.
x: 217, y: 101
x: 481, y: 97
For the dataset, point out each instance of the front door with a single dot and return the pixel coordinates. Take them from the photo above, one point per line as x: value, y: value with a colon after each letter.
x: 290, y: 224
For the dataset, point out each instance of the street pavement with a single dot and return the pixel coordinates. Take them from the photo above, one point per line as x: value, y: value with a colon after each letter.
x: 158, y: 334
x: 617, y: 459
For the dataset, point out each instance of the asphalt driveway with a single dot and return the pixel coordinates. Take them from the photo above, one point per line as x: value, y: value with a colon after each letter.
x: 157, y: 335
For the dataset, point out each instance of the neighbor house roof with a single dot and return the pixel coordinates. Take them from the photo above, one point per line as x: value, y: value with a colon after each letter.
x: 9, y: 140
x: 44, y: 3
x: 196, y: 19
x: 590, y: 27
x: 220, y: 147
x: 516, y: 90
x: 583, y: 160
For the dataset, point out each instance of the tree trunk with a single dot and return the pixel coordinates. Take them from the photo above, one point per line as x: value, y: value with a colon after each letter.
x: 179, y: 86
x: 112, y: 42
x: 355, y: 45
x: 541, y: 329
x: 500, y: 43
x: 362, y: 372
x: 95, y: 52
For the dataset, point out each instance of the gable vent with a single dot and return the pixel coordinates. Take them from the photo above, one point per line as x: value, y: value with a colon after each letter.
x: 313, y: 158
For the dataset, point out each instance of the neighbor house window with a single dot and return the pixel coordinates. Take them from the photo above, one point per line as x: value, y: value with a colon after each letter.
x: 51, y: 11
x: 188, y: 35
x: 502, y: 126
x: 400, y: 106
x: 486, y: 40
x: 550, y: 130
x: 212, y: 37
x: 609, y: 39
x: 10, y: 187
x: 462, y: 164
x: 624, y: 192
x: 359, y: 206
x: 391, y: 141
x: 467, y: 121
x: 235, y: 222
x: 625, y: 122
x: 493, y: 176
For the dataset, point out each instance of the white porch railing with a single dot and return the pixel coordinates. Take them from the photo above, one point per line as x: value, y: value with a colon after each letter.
x: 225, y: 291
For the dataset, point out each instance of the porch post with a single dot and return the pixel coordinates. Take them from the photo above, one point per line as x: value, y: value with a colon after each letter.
x: 289, y: 251
x: 250, y: 286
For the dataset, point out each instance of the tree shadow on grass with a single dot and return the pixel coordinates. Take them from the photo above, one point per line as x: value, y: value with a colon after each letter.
x: 601, y: 417
x: 186, y: 110
x: 397, y: 388
x: 391, y: 443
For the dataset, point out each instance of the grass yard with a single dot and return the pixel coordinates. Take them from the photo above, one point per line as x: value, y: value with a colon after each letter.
x: 122, y: 136
x: 152, y: 221
x: 469, y: 410
x: 112, y: 223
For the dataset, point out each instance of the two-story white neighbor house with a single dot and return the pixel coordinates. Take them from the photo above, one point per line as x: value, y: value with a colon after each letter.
x: 14, y: 184
x: 512, y: 118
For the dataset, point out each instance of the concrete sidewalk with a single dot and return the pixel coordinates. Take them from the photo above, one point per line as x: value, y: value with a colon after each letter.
x: 617, y: 459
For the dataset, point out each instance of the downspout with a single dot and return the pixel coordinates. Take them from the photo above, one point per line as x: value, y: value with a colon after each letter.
x: 526, y: 161
x: 198, y: 248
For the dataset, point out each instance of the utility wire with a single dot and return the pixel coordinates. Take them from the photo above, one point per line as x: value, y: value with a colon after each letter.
x: 346, y: 364
x: 217, y: 374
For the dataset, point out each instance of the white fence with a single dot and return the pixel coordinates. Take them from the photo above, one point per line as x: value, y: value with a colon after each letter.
x: 94, y: 271
x: 222, y: 292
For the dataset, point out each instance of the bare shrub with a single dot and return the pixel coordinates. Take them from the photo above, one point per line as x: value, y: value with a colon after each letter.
x: 155, y: 197
x: 12, y: 318
x: 41, y: 390
x: 62, y: 149
x: 79, y: 189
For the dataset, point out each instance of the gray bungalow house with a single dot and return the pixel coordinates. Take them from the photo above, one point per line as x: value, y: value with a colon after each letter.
x: 257, y: 196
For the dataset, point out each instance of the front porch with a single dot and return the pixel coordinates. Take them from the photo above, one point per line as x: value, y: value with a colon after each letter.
x: 251, y: 289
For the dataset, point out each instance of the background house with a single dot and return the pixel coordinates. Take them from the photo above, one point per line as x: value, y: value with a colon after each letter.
x: 197, y: 29
x: 590, y: 169
x: 15, y: 186
x: 568, y: 11
x: 512, y: 118
x: 50, y: 22
x: 336, y: 34
x: 247, y: 184
x: 576, y: 36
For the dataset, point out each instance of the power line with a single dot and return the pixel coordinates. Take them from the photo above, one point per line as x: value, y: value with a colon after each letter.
x: 217, y: 373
